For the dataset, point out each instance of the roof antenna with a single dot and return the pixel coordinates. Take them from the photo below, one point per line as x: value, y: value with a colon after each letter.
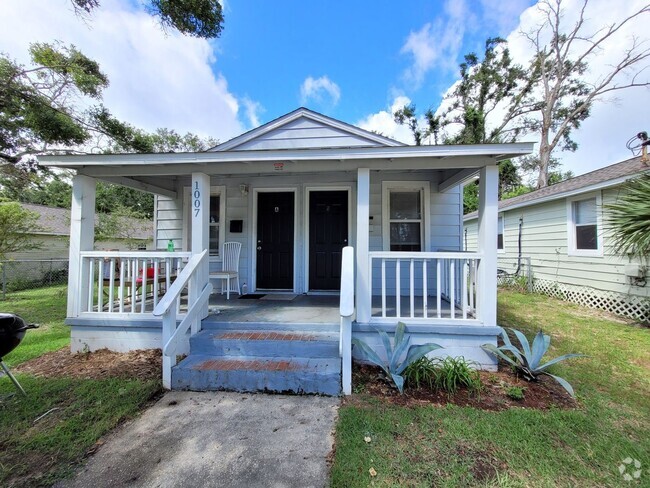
x: 639, y: 147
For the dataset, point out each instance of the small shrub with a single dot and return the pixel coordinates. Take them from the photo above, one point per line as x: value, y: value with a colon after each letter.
x: 454, y: 373
x: 420, y: 373
x: 515, y: 392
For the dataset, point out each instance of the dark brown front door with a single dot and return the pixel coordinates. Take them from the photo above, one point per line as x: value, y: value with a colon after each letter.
x: 275, y: 216
x: 328, y: 235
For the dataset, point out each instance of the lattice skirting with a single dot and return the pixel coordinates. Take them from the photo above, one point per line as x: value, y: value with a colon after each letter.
x: 634, y: 307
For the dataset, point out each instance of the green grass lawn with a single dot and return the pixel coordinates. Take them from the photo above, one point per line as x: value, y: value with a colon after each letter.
x: 454, y: 446
x: 38, y: 452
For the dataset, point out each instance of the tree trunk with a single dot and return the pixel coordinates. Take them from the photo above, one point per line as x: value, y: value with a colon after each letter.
x: 544, y: 160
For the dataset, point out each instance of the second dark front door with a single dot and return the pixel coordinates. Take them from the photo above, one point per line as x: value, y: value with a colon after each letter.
x: 275, y: 216
x: 328, y: 235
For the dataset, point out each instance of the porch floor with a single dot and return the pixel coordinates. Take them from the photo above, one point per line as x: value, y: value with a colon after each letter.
x: 311, y: 309
x: 303, y: 309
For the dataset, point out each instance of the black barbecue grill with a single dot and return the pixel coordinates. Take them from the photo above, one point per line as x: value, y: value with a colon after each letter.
x: 12, y: 332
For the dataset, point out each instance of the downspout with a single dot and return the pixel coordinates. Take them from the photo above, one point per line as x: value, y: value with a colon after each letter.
x: 521, y: 225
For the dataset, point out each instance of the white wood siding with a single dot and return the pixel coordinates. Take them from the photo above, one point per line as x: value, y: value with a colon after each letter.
x: 444, y: 217
x: 305, y: 133
x: 545, y: 240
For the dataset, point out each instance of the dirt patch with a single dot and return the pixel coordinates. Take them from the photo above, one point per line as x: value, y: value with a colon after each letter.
x: 144, y: 364
x: 369, y: 382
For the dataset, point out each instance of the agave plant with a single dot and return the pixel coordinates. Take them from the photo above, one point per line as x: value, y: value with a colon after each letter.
x: 401, y: 348
x: 527, y: 360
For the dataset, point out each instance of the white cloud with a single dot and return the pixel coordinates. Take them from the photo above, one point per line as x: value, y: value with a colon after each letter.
x: 318, y: 89
x: 253, y: 110
x: 157, y: 79
x: 437, y: 44
x: 384, y: 123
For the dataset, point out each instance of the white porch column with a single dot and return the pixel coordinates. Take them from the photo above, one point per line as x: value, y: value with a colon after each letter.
x: 488, y: 209
x: 200, y: 208
x: 363, y: 247
x: 82, y: 238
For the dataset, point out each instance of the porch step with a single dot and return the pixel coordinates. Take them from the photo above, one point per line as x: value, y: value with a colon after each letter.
x: 272, y: 357
x: 265, y: 343
x: 255, y: 373
x: 213, y: 322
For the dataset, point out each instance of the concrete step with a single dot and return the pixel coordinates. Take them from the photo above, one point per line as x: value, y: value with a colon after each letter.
x: 212, y: 322
x: 266, y: 343
x: 248, y: 374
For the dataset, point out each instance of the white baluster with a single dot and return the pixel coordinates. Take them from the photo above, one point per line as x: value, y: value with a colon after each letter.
x: 425, y: 287
x: 452, y: 289
x: 412, y: 287
x: 383, y: 287
x: 124, y: 264
x: 91, y: 283
x: 465, y: 267
x: 438, y: 287
x: 111, y: 285
x: 398, y: 291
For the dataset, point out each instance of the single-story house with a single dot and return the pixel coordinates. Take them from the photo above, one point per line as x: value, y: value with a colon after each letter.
x: 342, y: 231
x: 562, y: 230
x: 50, y: 259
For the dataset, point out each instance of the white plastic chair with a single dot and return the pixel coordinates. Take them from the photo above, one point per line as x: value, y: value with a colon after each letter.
x: 230, y: 268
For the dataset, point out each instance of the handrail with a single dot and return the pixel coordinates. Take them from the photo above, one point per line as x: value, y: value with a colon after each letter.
x: 346, y: 309
x: 134, y: 254
x: 190, y: 317
x: 425, y: 255
x: 179, y: 284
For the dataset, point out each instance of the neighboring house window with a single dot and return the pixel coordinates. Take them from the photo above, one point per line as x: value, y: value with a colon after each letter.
x: 404, y: 227
x: 584, y: 223
x: 501, y: 225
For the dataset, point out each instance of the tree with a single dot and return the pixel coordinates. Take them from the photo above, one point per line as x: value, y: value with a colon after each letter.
x: 121, y: 223
x: 561, y: 96
x: 628, y: 219
x: 198, y: 18
x: 39, y: 107
x: 17, y: 227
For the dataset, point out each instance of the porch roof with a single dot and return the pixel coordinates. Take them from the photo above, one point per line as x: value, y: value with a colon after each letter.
x: 295, y: 160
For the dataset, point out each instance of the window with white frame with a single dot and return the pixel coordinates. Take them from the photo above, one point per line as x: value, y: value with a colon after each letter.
x: 500, y: 227
x: 404, y: 226
x: 585, y: 224
x: 215, y: 224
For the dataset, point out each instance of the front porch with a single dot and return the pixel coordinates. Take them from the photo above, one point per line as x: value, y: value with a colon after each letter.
x: 314, y: 205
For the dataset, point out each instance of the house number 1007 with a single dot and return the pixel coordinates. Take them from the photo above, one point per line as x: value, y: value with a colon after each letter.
x: 197, y: 199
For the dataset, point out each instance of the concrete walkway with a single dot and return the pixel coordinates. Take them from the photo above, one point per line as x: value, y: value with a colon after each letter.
x: 218, y: 439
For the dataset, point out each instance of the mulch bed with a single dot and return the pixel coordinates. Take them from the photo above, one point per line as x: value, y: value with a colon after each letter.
x: 544, y: 394
x: 141, y: 364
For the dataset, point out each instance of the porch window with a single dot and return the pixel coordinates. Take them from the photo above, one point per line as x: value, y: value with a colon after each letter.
x: 215, y: 218
x: 404, y: 207
x: 586, y: 224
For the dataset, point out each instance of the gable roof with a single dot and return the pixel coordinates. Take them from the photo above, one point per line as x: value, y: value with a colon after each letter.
x: 305, y: 129
x: 56, y: 221
x: 612, y: 175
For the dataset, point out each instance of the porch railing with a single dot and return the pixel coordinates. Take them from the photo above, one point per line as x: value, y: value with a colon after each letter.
x: 424, y: 286
x: 127, y: 281
x: 347, y: 311
x: 175, y: 339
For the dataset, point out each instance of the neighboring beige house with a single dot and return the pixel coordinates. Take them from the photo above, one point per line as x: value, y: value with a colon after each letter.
x: 55, y: 235
x: 563, y: 233
x: 50, y: 261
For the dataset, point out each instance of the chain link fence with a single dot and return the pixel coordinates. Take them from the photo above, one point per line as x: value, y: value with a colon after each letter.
x: 515, y: 273
x: 28, y: 274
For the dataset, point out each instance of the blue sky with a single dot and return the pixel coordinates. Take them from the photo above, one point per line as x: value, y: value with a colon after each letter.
x: 269, y: 48
x: 356, y: 61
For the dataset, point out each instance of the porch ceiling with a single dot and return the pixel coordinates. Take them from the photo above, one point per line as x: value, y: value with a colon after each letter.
x: 289, y: 161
